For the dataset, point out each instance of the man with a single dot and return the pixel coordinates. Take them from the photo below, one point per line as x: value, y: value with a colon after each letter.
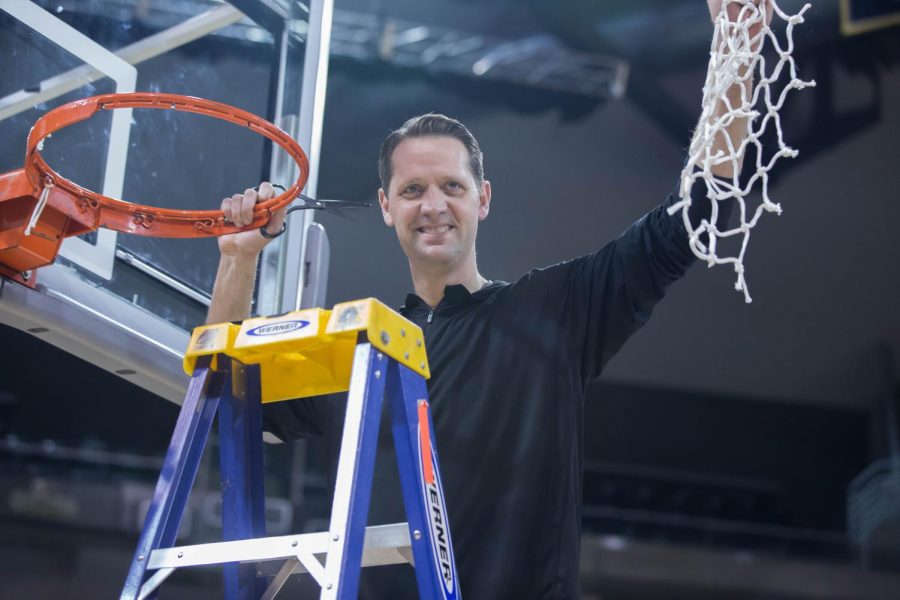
x: 510, y: 361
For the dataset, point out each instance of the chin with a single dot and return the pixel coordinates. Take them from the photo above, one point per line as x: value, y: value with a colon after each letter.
x: 438, y: 255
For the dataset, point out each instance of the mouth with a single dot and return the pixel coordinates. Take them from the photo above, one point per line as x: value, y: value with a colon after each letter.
x: 434, y: 230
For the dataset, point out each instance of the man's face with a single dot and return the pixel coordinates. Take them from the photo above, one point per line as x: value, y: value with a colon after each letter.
x: 434, y: 202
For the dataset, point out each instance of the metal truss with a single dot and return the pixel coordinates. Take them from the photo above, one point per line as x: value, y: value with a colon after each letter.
x: 538, y: 61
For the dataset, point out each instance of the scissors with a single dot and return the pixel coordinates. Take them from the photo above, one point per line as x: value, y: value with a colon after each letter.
x: 336, y: 207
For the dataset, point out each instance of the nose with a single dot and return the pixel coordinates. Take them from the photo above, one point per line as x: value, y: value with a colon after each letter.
x: 433, y: 201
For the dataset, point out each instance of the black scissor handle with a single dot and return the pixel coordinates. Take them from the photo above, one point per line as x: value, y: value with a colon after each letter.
x: 309, y: 204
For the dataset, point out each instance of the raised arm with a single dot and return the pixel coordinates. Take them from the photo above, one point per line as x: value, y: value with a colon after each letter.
x: 233, y: 288
x: 736, y: 131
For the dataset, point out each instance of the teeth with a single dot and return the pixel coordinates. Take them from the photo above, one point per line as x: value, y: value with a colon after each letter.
x: 442, y: 229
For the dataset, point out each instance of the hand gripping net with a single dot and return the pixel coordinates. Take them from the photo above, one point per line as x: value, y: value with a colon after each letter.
x: 735, y: 57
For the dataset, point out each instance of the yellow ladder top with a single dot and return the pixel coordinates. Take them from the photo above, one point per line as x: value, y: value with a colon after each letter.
x: 310, y: 352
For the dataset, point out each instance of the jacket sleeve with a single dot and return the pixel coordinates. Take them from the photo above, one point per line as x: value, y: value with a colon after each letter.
x: 612, y: 293
x: 295, y: 419
x: 618, y: 286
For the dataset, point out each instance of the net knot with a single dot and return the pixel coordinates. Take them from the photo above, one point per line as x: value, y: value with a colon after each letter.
x: 736, y: 58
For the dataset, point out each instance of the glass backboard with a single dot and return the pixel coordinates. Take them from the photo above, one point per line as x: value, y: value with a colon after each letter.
x: 123, y: 302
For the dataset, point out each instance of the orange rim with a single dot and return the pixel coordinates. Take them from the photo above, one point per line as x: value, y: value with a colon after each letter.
x: 140, y: 219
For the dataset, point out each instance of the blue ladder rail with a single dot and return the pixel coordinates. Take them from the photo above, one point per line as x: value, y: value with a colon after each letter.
x: 225, y: 386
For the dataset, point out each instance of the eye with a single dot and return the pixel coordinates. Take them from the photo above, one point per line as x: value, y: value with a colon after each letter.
x: 412, y: 189
x: 454, y: 186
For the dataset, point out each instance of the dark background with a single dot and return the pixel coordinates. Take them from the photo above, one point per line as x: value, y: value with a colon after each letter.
x: 722, y: 426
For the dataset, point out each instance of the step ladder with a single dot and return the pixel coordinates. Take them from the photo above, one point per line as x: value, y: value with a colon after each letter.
x: 361, y: 346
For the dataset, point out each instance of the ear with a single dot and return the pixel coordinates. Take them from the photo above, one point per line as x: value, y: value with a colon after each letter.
x: 385, y: 211
x: 484, y: 201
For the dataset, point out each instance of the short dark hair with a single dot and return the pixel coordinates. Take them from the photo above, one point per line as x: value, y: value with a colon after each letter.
x: 431, y: 124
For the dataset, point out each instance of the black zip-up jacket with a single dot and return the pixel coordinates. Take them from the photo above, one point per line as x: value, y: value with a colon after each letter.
x: 510, y: 364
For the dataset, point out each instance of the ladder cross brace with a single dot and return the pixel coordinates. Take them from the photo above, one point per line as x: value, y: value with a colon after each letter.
x: 230, y: 365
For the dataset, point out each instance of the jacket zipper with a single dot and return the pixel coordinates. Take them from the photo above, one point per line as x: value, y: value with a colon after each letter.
x: 430, y: 317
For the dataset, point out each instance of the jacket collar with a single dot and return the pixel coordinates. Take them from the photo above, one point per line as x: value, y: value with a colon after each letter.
x: 455, y: 296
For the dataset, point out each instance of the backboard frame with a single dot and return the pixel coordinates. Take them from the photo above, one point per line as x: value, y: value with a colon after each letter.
x: 79, y: 316
x: 97, y: 258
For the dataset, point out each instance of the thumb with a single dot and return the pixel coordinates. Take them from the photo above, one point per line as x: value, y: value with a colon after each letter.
x: 277, y: 221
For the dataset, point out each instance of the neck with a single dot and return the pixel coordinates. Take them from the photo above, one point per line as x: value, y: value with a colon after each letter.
x: 430, y: 284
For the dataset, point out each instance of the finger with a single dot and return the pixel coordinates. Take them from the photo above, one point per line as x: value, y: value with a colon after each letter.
x: 236, y: 216
x: 248, y: 203
x: 266, y: 191
x: 276, y: 221
x: 226, y: 210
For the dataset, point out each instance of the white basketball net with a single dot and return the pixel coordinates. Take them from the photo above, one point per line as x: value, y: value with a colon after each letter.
x: 735, y: 58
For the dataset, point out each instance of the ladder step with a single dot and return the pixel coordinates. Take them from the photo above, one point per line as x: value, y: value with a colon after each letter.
x: 383, y: 545
x: 225, y: 385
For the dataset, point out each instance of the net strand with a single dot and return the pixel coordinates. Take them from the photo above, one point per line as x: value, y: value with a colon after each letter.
x: 735, y: 59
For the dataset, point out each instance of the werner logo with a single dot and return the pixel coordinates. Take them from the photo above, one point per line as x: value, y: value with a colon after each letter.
x: 277, y: 328
x: 440, y: 537
x: 440, y: 533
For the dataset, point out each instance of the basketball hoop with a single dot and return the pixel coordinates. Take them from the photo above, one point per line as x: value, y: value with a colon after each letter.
x: 39, y: 207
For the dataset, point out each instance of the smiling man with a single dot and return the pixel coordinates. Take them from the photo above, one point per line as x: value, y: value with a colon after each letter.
x: 434, y: 194
x: 510, y: 364
x: 510, y: 361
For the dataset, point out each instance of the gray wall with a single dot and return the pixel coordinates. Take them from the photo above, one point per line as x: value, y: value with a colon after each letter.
x: 823, y: 275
